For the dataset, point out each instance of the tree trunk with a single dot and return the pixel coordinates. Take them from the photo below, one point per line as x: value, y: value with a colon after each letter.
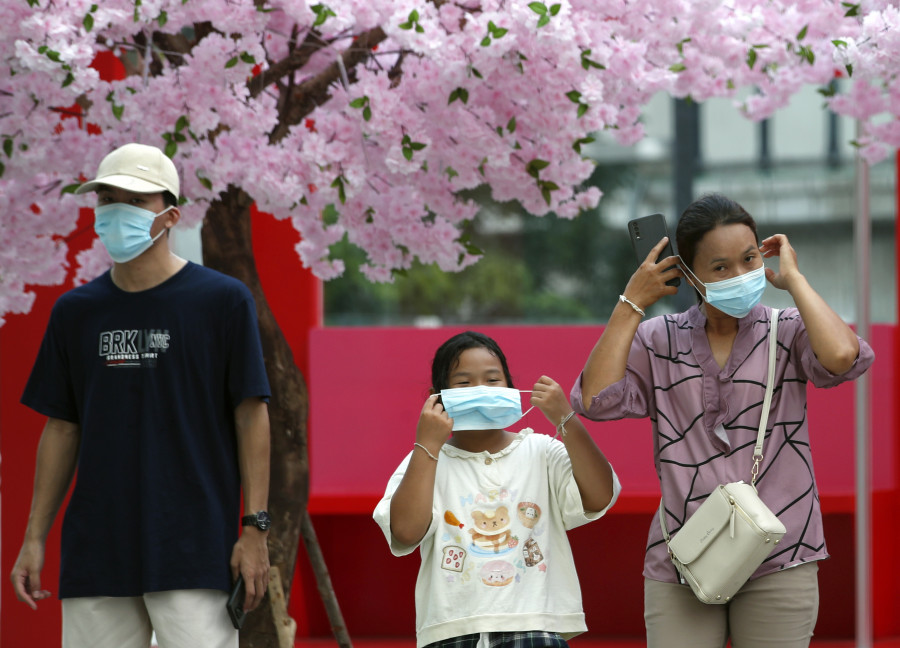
x: 227, y: 247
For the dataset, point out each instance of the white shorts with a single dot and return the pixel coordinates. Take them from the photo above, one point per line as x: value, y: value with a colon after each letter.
x: 180, y: 618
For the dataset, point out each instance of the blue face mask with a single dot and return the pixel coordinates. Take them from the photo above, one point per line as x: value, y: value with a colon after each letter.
x: 735, y: 296
x: 482, y: 407
x: 124, y: 230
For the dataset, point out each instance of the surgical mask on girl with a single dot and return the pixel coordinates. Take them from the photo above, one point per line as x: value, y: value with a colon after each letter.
x: 124, y: 230
x: 735, y: 296
x: 483, y: 407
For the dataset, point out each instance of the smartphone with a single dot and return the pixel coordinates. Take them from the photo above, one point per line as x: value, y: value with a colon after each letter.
x: 235, y: 604
x: 645, y: 233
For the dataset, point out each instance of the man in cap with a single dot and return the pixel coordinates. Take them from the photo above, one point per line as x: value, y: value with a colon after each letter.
x: 154, y: 386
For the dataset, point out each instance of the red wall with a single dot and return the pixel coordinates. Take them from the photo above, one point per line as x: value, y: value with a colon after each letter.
x: 367, y: 390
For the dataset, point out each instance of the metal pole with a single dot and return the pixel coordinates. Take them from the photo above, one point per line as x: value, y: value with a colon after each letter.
x: 862, y: 233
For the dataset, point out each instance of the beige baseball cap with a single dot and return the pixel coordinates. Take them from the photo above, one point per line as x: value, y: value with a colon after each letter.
x: 135, y: 167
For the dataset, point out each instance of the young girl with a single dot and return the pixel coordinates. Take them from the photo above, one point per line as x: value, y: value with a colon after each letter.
x: 489, y: 508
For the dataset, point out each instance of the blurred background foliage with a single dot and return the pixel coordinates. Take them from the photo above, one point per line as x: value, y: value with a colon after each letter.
x: 534, y: 270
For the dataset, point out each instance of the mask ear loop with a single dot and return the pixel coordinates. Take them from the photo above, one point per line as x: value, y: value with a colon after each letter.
x: 526, y: 391
x: 684, y: 266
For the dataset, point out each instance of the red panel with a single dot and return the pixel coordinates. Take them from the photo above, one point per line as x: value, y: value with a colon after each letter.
x: 21, y: 428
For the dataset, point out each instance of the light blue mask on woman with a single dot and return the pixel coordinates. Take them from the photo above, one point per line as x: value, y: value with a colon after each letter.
x: 735, y: 296
x: 124, y: 230
x: 483, y: 407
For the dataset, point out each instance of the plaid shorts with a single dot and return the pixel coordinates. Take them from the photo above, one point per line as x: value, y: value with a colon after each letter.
x: 532, y: 639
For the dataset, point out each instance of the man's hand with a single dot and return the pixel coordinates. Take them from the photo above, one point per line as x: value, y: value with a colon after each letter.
x: 250, y: 557
x: 26, y: 574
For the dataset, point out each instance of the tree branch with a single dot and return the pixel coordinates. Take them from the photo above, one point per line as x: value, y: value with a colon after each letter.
x: 304, y: 98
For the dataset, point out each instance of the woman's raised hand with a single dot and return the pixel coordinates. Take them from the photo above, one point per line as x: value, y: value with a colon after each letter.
x: 648, y: 284
x: 778, y: 245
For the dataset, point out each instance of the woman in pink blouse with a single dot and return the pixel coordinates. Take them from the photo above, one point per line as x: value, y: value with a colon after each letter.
x: 700, y: 377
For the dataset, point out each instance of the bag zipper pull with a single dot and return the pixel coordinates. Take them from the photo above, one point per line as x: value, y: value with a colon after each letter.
x: 731, y: 501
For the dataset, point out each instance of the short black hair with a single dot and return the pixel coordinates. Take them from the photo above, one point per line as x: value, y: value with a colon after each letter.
x: 704, y: 215
x: 170, y: 199
x: 446, y: 358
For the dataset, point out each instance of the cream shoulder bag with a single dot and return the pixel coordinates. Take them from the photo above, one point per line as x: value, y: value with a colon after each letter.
x: 733, y: 531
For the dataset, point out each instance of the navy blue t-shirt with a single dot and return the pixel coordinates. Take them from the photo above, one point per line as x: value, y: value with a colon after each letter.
x: 152, y: 378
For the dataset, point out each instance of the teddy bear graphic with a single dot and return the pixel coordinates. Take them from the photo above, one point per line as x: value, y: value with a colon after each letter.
x: 491, y: 532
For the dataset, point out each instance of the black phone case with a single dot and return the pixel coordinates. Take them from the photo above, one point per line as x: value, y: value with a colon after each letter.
x: 235, y: 604
x: 645, y: 232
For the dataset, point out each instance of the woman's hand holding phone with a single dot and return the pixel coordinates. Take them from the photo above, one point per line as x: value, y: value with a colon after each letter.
x: 649, y: 282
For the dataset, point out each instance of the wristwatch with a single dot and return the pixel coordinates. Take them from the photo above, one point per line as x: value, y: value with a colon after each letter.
x: 260, y: 520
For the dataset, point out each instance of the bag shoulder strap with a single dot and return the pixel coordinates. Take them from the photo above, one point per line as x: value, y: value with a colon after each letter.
x: 767, y: 400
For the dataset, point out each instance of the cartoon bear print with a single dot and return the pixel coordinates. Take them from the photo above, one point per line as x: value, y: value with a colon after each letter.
x: 491, y: 530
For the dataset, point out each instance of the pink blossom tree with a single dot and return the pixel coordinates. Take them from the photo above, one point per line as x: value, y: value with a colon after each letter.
x: 367, y: 119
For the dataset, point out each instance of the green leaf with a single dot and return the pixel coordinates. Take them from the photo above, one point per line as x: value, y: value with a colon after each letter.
x: 230, y: 63
x: 182, y: 123
x: 849, y: 68
x: 171, y: 149
x: 554, y: 9
x: 827, y: 91
x: 839, y: 43
x: 417, y: 146
x: 451, y: 172
x: 485, y: 41
x: 538, y: 7
x: 543, y: 20
x: 580, y: 142
x: 70, y: 188
x: 751, y: 58
x: 460, y: 93
x: 475, y: 72
x: 359, y: 102
x: 677, y: 67
x: 574, y: 96
x: 339, y: 185
x: 162, y: 19
x: 511, y: 125
x: 330, y: 214
x: 8, y: 147
x: 88, y: 22
x: 367, y: 113
x: 496, y: 32
x: 206, y: 182
x: 414, y: 16
x: 852, y: 9
x: 419, y: 29
x: 118, y: 111
x: 2, y: 169
x: 70, y: 78
x: 407, y: 26
x: 802, y: 33
x: 534, y: 167
x: 407, y: 153
x: 582, y: 108
x: 680, y: 45
x: 248, y: 58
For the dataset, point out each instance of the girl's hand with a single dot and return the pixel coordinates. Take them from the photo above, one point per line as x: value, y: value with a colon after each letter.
x: 648, y: 284
x: 434, y: 426
x: 778, y: 245
x: 549, y: 397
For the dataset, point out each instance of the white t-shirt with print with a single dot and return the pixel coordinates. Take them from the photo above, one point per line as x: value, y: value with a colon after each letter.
x: 496, y: 557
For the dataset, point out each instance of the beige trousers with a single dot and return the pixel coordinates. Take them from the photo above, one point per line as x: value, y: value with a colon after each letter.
x: 181, y: 619
x: 776, y: 611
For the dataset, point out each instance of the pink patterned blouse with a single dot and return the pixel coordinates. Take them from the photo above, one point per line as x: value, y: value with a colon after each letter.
x: 704, y: 421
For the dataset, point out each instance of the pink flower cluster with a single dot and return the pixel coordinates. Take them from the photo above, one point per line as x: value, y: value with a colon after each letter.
x: 459, y: 94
